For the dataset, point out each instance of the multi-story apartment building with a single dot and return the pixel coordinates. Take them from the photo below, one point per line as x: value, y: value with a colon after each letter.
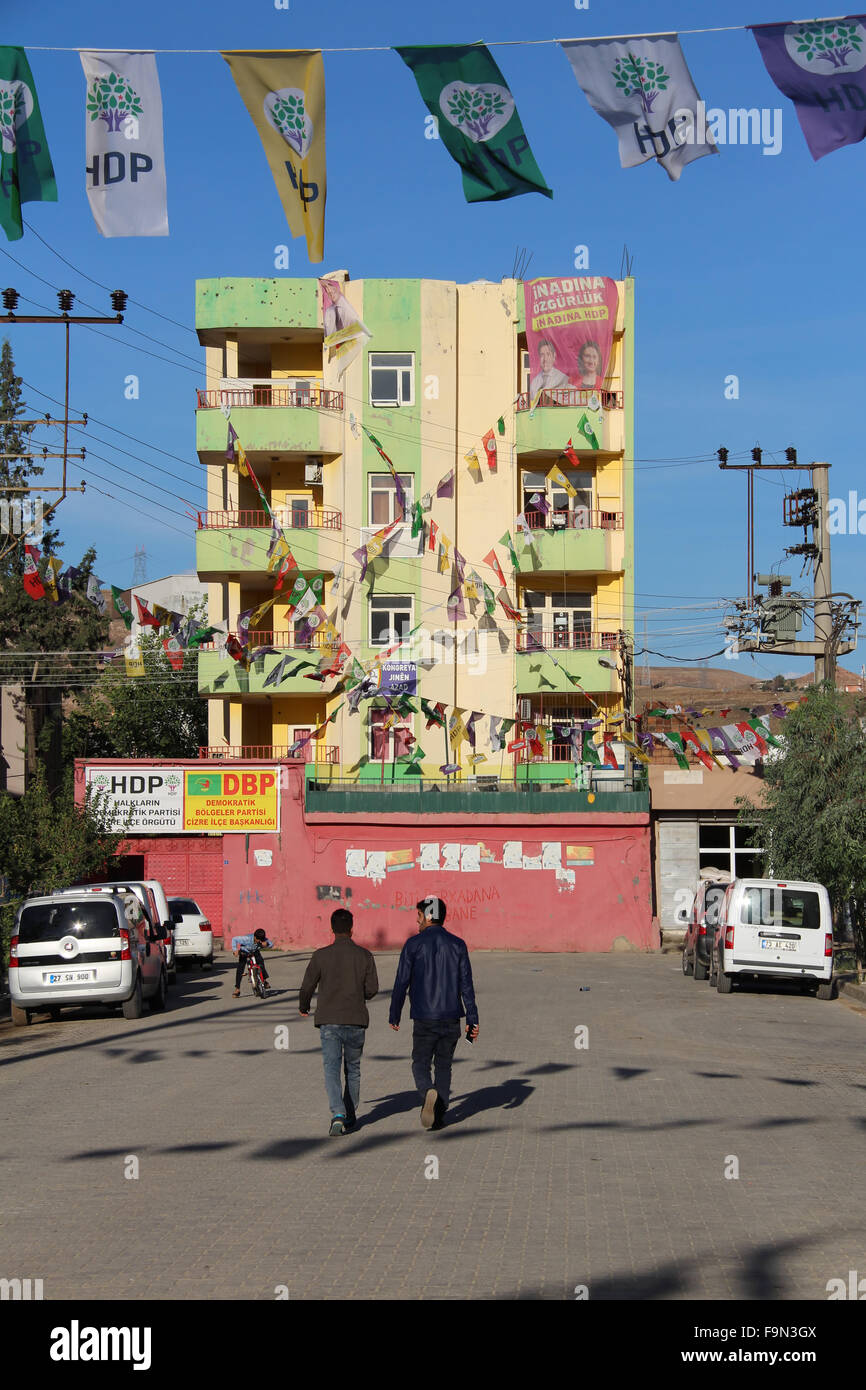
x: 444, y: 364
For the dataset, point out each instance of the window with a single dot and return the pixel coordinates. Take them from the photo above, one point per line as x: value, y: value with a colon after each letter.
x: 559, y: 619
x: 391, y: 743
x: 299, y: 511
x: 392, y: 378
x: 565, y: 510
x: 383, y: 497
x: 727, y: 847
x: 390, y: 618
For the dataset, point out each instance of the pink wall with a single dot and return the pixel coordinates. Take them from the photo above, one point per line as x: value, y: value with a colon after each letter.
x: 584, y: 908
x: 591, y: 889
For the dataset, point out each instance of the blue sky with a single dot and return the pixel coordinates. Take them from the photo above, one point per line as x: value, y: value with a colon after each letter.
x: 742, y: 267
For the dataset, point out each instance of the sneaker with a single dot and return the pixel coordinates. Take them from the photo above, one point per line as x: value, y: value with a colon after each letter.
x: 236, y: 994
x: 428, y: 1110
x: 337, y: 1125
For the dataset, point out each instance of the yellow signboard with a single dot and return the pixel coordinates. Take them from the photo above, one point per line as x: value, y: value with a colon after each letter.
x: 246, y: 801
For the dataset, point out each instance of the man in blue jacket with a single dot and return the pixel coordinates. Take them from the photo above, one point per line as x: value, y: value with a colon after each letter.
x: 434, y: 967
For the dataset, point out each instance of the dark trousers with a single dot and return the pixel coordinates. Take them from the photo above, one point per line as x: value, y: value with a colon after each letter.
x: 243, y: 957
x: 433, y: 1044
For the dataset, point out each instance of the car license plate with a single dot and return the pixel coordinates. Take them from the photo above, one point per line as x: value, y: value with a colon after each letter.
x: 779, y: 945
x: 68, y: 977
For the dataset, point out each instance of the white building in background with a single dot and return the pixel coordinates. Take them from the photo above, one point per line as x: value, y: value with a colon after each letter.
x: 179, y: 593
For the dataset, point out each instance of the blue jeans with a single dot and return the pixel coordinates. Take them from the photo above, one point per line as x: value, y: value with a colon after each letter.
x: 342, y: 1045
x: 433, y: 1042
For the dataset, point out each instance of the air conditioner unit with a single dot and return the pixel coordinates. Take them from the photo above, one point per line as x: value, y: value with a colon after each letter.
x: 313, y: 470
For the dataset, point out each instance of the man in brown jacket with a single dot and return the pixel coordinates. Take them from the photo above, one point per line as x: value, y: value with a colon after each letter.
x: 345, y: 976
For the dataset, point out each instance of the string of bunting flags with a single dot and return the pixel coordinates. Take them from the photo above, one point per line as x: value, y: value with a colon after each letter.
x: 640, y: 85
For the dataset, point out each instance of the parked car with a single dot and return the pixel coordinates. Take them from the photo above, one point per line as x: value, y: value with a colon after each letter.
x: 193, y: 933
x: 72, y: 949
x: 700, y: 930
x: 148, y: 903
x: 775, y: 930
x: 152, y: 895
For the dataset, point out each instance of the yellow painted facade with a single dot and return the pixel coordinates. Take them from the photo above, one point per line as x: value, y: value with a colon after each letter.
x: 464, y: 345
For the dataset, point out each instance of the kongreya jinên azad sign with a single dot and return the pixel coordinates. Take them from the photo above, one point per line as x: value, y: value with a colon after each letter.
x: 177, y: 801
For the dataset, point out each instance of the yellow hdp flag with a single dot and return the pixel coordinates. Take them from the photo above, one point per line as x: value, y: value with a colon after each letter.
x: 53, y: 568
x: 280, y: 552
x: 284, y: 92
x: 243, y: 467
x: 457, y: 732
x: 257, y: 615
x: 134, y: 665
x: 474, y: 465
x: 557, y: 476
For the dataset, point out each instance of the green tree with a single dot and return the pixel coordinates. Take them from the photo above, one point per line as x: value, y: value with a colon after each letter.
x: 812, y: 819
x: 48, y: 842
x: 38, y: 635
x: 157, y: 715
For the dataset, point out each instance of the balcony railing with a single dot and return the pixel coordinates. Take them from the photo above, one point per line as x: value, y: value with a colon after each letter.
x: 257, y: 394
x: 581, y: 519
x: 574, y: 396
x: 261, y: 752
x: 288, y: 640
x: 292, y: 518
x: 553, y: 639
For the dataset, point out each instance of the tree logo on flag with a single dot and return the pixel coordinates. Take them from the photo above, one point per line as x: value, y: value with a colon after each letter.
x: 286, y: 111
x: 643, y: 77
x: 16, y: 103
x: 112, y: 99
x: 477, y: 111
x: 838, y: 44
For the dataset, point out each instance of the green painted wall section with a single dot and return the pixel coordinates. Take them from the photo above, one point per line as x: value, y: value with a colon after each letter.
x: 244, y: 550
x: 552, y: 426
x: 239, y: 302
x: 594, y: 551
x: 392, y: 312
x: 234, y: 680
x: 271, y: 429
x: 536, y: 672
x: 427, y: 800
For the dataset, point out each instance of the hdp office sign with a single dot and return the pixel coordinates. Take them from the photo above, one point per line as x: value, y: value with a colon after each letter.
x: 147, y: 801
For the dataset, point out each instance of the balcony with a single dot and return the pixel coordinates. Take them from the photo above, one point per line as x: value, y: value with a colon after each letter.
x: 271, y: 415
x: 430, y: 796
x: 219, y: 675
x: 589, y: 541
x: 228, y: 542
x: 577, y: 653
x: 544, y: 426
x: 266, y: 752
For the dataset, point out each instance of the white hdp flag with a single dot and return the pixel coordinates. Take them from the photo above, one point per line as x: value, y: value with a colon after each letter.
x: 125, y: 160
x: 643, y: 88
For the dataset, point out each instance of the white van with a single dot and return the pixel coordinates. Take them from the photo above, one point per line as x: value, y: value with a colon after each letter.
x: 770, y: 927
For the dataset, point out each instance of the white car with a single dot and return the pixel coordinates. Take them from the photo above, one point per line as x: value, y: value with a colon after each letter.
x: 780, y: 930
x: 193, y: 933
x: 70, y: 950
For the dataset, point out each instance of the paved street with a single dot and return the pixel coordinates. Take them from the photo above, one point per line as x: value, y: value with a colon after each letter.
x: 602, y: 1167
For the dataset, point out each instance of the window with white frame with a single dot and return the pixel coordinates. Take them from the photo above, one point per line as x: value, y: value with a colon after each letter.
x: 559, y: 619
x: 390, y: 618
x: 392, y: 378
x: 727, y: 847
x: 565, y: 510
x: 384, y: 507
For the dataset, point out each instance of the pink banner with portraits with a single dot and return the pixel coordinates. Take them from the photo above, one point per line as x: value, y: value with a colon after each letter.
x: 569, y: 331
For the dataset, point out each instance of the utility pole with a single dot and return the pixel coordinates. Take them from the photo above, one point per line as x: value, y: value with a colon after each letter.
x: 808, y: 508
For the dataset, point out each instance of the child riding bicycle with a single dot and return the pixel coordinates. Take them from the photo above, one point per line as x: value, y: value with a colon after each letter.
x: 244, y: 947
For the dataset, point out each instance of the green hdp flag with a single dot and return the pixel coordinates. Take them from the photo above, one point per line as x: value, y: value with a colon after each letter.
x: 122, y: 607
x: 477, y: 120
x: 489, y: 599
x: 509, y: 544
x: 585, y: 428
x: 26, y: 171
x: 589, y: 752
x: 500, y: 424
x: 201, y: 634
x: 417, y: 520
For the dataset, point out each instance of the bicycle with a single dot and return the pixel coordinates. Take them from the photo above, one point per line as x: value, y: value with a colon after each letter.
x: 256, y: 978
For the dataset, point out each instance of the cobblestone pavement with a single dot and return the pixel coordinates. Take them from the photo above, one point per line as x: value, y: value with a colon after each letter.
x: 601, y: 1166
